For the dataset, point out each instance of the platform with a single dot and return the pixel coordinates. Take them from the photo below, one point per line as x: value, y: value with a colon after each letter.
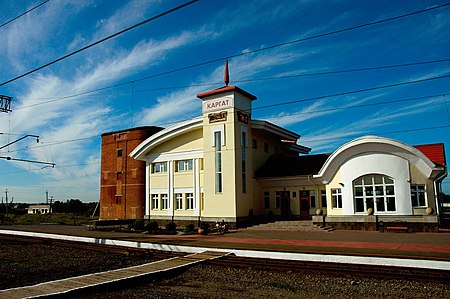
x: 92, y: 280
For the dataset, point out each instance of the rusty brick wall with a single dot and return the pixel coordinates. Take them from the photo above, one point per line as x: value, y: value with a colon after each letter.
x: 122, y: 179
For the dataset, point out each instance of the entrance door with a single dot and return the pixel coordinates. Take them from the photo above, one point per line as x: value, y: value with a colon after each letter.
x: 305, y: 203
x: 285, y: 205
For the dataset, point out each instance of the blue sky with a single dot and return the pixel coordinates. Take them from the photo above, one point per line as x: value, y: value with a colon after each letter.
x: 46, y: 102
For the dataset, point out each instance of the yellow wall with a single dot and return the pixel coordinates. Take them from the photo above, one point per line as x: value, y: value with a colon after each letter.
x: 185, y: 142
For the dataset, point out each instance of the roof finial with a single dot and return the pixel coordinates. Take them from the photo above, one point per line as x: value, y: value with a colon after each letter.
x: 226, y: 76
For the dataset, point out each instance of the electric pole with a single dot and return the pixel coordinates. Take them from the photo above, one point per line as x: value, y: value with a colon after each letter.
x: 6, y: 198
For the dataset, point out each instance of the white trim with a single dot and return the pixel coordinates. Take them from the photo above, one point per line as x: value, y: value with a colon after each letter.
x: 182, y: 155
x: 218, y: 128
x: 269, y: 127
x: 371, y: 144
x: 140, y: 152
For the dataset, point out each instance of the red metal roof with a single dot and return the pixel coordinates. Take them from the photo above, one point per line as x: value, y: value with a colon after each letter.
x: 226, y: 89
x: 434, y: 152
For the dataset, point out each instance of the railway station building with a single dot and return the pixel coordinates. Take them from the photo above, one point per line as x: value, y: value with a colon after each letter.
x: 225, y: 165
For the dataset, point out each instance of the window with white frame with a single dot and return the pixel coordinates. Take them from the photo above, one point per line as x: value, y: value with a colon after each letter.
x: 266, y: 200
x: 190, y: 201
x: 184, y: 165
x: 218, y: 160
x: 323, y: 196
x: 179, y: 201
x: 155, y: 201
x: 336, y: 198
x: 277, y: 199
x: 418, y: 196
x: 312, y: 196
x: 243, y: 159
x: 159, y: 167
x: 374, y: 191
x: 164, y: 201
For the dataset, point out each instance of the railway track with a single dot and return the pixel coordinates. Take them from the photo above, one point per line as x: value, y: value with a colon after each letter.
x: 335, y: 269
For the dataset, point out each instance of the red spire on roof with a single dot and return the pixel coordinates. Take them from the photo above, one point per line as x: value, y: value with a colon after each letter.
x: 226, y: 75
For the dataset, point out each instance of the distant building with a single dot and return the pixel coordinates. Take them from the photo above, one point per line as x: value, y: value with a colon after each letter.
x: 122, y: 182
x: 39, y: 209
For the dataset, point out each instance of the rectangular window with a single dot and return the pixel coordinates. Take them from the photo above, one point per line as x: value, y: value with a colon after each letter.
x: 266, y: 200
x: 218, y: 160
x: 244, y: 176
x: 202, y: 200
x: 254, y: 144
x: 119, y: 152
x: 312, y: 196
x: 418, y: 195
x: 160, y: 167
x: 323, y: 196
x: 179, y: 199
x: 184, y: 165
x: 190, y: 201
x: 155, y: 201
x: 336, y: 198
x: 266, y: 147
x: 277, y: 199
x: 164, y: 202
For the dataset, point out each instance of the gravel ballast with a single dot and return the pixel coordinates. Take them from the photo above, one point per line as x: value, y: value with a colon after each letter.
x: 26, y: 264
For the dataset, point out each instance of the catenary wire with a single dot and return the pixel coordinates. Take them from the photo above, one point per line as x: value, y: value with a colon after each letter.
x: 362, y: 69
x: 246, y: 52
x: 315, y: 111
x: 24, y: 13
x: 102, y: 40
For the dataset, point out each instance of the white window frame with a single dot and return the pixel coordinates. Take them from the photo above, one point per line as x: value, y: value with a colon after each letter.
x: 336, y: 198
x: 179, y: 201
x: 164, y: 201
x: 266, y: 200
x: 159, y: 167
x: 417, y: 192
x: 189, y: 201
x: 277, y: 203
x: 154, y: 201
x: 376, y: 191
x: 184, y: 165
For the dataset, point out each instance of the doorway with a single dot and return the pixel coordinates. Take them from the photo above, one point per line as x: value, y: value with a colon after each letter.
x: 285, y: 207
x: 305, y: 204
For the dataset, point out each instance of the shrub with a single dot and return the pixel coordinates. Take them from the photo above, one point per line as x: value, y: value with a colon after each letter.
x: 205, y: 227
x: 152, y: 227
x: 189, y: 229
x: 139, y: 224
x: 171, y: 226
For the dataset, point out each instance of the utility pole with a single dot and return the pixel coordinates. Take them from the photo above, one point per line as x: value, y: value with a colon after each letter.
x: 6, y: 197
x: 51, y: 202
x: 46, y: 196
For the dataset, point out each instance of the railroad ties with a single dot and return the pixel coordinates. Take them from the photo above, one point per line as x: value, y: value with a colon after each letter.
x: 96, y: 279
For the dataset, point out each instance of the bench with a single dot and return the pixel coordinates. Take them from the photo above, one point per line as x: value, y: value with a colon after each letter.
x: 397, y: 229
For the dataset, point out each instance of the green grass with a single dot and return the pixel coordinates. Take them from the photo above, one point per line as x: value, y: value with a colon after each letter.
x: 31, y: 219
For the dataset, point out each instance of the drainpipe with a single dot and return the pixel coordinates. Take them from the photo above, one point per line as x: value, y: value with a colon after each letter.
x: 436, y: 192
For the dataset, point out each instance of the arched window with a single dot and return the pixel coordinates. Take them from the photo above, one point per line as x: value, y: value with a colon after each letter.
x: 374, y: 191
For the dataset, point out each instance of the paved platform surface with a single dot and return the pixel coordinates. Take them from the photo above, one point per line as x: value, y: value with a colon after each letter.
x: 434, y: 246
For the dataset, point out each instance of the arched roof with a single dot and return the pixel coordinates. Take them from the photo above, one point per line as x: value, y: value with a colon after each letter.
x: 140, y: 152
x: 375, y: 144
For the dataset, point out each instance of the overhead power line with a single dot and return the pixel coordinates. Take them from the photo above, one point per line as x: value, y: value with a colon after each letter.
x: 103, y: 40
x: 351, y: 92
x: 238, y: 54
x: 299, y: 113
x: 292, y: 42
x: 22, y: 14
x: 382, y: 133
x: 61, y: 98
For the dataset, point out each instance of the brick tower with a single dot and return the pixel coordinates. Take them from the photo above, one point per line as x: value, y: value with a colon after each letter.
x: 122, y: 182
